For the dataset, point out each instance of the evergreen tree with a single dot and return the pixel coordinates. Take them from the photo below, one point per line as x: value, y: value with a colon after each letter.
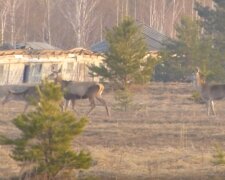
x: 190, y: 49
x: 213, y: 22
x: 213, y: 27
x: 46, y: 136
x: 126, y: 61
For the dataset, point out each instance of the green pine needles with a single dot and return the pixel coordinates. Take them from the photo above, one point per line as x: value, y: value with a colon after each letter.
x: 47, y: 135
x: 126, y: 61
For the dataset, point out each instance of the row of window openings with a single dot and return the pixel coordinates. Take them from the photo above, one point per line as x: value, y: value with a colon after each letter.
x: 36, y: 69
x: 70, y: 67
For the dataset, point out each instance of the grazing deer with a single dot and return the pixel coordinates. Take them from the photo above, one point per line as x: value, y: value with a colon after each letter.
x: 21, y: 93
x: 73, y: 91
x: 209, y: 93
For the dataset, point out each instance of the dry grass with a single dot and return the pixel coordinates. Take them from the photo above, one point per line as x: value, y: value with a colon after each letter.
x: 164, y: 136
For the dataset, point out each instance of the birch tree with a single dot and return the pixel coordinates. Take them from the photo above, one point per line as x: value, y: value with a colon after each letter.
x: 3, y: 15
x: 46, y: 29
x: 81, y: 15
x: 13, y: 5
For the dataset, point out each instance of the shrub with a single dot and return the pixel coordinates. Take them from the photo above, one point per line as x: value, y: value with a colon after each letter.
x: 123, y: 99
x: 219, y: 156
x: 196, y: 97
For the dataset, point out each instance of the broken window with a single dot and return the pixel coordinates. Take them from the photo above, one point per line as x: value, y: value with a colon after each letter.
x: 1, y: 72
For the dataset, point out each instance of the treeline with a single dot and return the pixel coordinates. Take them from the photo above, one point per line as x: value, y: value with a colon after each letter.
x: 199, y: 43
x: 74, y: 23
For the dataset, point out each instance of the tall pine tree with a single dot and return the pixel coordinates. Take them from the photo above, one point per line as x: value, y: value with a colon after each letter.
x: 213, y: 28
x: 126, y: 61
x: 188, y: 50
x: 213, y: 22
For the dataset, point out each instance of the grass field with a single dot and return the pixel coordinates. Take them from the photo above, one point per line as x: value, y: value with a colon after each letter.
x: 164, y: 135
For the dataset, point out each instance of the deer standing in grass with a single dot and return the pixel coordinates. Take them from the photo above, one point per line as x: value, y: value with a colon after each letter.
x: 209, y: 93
x: 73, y: 91
x: 21, y: 93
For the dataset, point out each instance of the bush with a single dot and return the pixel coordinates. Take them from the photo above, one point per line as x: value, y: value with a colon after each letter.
x: 123, y: 99
x: 196, y: 97
x: 219, y: 156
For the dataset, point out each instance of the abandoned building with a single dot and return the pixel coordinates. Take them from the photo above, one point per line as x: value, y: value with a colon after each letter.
x: 34, y: 62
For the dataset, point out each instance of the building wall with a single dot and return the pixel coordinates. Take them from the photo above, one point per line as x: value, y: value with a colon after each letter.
x: 23, y: 68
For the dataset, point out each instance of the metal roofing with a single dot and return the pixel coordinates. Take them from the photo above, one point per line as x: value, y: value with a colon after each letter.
x: 154, y: 40
x: 35, y: 46
x: 6, y: 46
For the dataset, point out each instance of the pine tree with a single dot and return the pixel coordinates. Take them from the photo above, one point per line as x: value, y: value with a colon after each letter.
x: 46, y: 136
x: 126, y: 61
x: 189, y: 50
x: 213, y: 28
x: 213, y: 22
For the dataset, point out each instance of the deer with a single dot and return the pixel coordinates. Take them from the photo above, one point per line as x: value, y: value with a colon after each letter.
x: 21, y: 93
x: 73, y: 91
x: 209, y: 93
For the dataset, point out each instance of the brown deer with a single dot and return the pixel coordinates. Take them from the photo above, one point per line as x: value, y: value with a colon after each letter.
x: 209, y: 93
x: 73, y: 91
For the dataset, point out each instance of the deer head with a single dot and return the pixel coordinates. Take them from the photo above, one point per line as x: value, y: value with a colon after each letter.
x: 199, y: 77
x: 56, y: 75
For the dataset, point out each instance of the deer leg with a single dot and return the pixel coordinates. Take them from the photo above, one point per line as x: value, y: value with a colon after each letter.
x: 100, y: 99
x: 208, y: 106
x: 66, y: 105
x: 73, y: 106
x: 92, y: 101
x: 213, y: 107
x: 61, y: 105
x: 26, y: 107
x: 6, y: 99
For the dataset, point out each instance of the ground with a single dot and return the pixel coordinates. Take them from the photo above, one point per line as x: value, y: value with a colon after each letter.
x: 164, y: 135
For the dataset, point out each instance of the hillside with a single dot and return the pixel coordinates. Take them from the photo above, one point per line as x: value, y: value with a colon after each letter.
x: 165, y: 135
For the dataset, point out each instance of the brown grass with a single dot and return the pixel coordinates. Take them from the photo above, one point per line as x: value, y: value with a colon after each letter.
x: 164, y: 135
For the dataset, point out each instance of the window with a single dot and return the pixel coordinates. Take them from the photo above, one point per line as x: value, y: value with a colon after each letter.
x: 26, y: 73
x: 1, y: 72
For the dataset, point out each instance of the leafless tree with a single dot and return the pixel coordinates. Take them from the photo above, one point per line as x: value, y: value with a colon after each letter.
x: 13, y: 5
x: 72, y: 23
x: 81, y: 16
x: 3, y: 15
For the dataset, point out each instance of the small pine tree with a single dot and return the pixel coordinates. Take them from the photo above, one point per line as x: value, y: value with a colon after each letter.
x: 47, y: 135
x: 123, y: 99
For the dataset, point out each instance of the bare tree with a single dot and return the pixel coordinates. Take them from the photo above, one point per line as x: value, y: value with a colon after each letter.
x: 82, y: 22
x: 81, y: 16
x: 3, y: 15
x: 13, y: 5
x: 46, y: 29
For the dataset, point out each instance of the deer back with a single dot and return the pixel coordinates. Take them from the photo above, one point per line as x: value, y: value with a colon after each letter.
x: 217, y: 91
x: 80, y: 89
x: 21, y: 93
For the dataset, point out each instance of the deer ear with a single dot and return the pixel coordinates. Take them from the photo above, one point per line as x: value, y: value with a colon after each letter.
x: 197, y: 69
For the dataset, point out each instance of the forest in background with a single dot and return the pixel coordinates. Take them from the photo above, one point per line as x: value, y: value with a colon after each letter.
x: 81, y: 23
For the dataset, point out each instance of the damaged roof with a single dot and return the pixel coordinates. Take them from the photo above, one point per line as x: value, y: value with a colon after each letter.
x: 153, y: 38
x: 35, y: 46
